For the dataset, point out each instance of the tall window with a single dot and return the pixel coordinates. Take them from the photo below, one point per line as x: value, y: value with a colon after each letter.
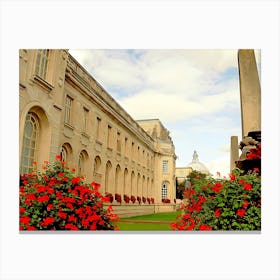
x: 85, y: 118
x: 30, y: 139
x: 164, y: 190
x: 165, y: 166
x: 68, y: 108
x: 81, y: 163
x: 119, y: 142
x: 109, y: 135
x: 98, y: 132
x: 42, y: 63
x: 125, y: 145
x: 132, y: 149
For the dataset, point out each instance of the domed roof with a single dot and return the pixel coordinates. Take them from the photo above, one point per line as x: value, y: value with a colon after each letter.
x: 197, y: 165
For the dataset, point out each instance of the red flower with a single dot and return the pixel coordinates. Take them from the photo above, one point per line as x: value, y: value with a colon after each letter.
x: 58, y: 157
x: 232, y: 177
x: 241, y: 212
x: 31, y: 196
x: 217, y: 212
x: 60, y: 174
x: 62, y: 215
x: 49, y: 207
x: 31, y: 228
x: 47, y: 221
x: 247, y: 187
x: 93, y: 227
x: 205, y: 227
x: 75, y: 180
x: 217, y: 187
x: 43, y: 198
x: 73, y: 169
x: 70, y: 206
x: 72, y: 218
x: 40, y: 189
x: 21, y: 210
x: 25, y: 220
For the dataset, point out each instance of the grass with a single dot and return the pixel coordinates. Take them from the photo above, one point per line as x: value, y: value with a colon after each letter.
x: 168, y: 216
x: 161, y: 222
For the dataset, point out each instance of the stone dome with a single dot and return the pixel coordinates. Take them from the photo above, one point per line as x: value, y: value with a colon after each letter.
x: 197, y: 165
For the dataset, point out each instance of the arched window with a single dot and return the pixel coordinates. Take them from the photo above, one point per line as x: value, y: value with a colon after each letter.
x: 81, y: 162
x: 30, y: 142
x: 66, y: 153
x: 97, y: 164
x: 164, y: 190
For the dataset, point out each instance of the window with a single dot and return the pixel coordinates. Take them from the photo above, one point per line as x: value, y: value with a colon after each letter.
x: 68, y: 108
x: 30, y: 141
x: 81, y: 163
x: 132, y: 149
x: 109, y: 135
x: 164, y: 190
x: 97, y: 164
x: 85, y: 118
x: 125, y: 145
x: 165, y: 166
x: 98, y: 123
x: 42, y: 63
x: 119, y: 142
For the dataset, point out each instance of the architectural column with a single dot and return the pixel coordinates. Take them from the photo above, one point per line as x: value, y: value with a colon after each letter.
x: 234, y: 154
x: 250, y: 92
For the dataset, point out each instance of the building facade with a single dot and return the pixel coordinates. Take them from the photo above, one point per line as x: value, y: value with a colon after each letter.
x: 64, y: 110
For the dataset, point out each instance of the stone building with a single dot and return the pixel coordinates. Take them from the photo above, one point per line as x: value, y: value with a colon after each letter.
x: 64, y: 110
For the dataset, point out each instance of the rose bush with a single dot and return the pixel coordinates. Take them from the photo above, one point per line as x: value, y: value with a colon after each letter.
x: 58, y: 200
x: 222, y: 204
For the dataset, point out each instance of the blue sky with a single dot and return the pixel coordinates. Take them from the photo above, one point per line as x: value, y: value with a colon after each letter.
x: 195, y: 93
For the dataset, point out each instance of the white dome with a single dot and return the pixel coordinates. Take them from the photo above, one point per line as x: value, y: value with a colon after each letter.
x: 197, y: 165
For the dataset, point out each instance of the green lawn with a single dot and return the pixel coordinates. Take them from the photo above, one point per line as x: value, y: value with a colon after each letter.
x: 161, y: 222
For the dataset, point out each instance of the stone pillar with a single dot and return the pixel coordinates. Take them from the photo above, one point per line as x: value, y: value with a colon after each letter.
x: 234, y: 155
x: 250, y: 92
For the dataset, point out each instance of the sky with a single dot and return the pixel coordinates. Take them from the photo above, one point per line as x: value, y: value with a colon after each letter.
x: 195, y: 94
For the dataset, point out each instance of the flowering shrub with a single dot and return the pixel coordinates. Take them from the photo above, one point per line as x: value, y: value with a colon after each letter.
x: 58, y: 200
x: 118, y: 198
x: 126, y: 198
x: 133, y: 199
x: 139, y: 199
x: 165, y: 200
x: 233, y: 204
x: 144, y: 199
